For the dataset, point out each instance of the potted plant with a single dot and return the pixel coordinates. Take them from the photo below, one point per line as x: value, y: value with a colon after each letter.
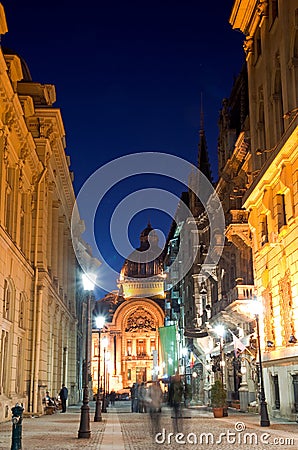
x: 218, y: 399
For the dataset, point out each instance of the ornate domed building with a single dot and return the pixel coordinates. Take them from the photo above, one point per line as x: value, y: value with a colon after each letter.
x: 142, y: 272
x: 133, y: 317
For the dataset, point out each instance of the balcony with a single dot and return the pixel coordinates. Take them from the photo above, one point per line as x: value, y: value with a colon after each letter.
x: 137, y: 357
x: 236, y: 300
x: 237, y: 230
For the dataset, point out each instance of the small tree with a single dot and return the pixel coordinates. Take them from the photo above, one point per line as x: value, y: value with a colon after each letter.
x: 218, y: 395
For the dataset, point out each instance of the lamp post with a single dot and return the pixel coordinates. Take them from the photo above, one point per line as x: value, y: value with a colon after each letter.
x: 184, y: 354
x: 220, y: 331
x: 100, y: 321
x: 104, y: 344
x: 84, y: 430
x: 264, y: 420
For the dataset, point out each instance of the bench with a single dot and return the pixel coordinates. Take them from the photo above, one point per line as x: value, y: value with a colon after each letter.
x: 48, y: 410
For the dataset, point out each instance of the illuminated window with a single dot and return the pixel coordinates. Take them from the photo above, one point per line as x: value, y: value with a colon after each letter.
x: 141, y: 347
x: 129, y: 347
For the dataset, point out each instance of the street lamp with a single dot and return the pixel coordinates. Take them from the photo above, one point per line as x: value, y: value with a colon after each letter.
x: 184, y: 354
x: 220, y: 331
x: 100, y: 321
x: 104, y: 344
x: 264, y: 421
x: 84, y: 430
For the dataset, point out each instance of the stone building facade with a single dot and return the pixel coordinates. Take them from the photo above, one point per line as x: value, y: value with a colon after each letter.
x: 133, y: 317
x: 40, y: 305
x: 257, y: 186
x: 271, y: 48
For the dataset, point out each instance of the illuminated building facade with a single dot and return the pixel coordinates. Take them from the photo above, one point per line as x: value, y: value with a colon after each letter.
x: 271, y: 47
x: 39, y: 304
x: 133, y: 317
x: 258, y: 187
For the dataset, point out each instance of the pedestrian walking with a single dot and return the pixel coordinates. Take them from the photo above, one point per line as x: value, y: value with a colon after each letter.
x: 63, y: 394
x: 112, y: 397
x: 175, y: 399
x: 155, y: 396
x: 134, y: 398
x: 187, y: 394
x: 142, y: 398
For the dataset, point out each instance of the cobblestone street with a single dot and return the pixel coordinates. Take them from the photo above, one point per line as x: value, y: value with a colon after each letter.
x: 123, y: 430
x: 195, y: 427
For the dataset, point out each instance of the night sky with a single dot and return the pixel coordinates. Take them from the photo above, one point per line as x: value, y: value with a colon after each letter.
x: 129, y: 78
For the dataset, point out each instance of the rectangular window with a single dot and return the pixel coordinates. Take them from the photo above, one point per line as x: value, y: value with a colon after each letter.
x: 6, y: 301
x: 257, y: 46
x: 274, y: 9
x: 281, y: 211
x: 141, y: 351
x: 276, y: 391
x: 264, y: 229
x: 273, y: 12
x: 295, y: 387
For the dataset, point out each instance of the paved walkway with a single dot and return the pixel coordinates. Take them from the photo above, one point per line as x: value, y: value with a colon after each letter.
x: 112, y: 439
x: 123, y: 430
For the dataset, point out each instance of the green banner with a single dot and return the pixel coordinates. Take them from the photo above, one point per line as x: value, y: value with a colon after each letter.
x: 168, y: 340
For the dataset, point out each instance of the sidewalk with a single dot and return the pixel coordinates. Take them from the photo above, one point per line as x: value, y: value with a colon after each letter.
x: 123, y: 430
x: 56, y: 432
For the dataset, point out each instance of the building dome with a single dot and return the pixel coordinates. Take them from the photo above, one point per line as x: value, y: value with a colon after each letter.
x: 148, y: 237
x: 146, y: 260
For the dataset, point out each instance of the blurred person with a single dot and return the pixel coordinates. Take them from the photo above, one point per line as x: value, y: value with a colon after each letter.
x: 112, y: 397
x: 175, y: 399
x: 142, y: 392
x: 134, y: 398
x: 155, y: 397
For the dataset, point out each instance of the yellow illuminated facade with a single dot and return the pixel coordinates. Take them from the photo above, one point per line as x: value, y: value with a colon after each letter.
x: 38, y: 300
x: 271, y: 47
x: 134, y: 315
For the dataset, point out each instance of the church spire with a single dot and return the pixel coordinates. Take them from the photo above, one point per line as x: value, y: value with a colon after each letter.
x: 203, y: 159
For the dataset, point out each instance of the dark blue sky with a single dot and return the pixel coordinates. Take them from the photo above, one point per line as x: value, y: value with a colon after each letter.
x: 129, y: 77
